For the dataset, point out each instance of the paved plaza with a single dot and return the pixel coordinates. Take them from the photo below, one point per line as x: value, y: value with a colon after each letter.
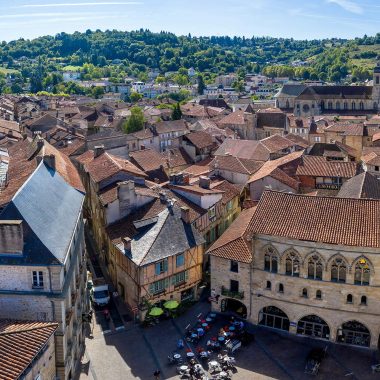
x: 134, y: 353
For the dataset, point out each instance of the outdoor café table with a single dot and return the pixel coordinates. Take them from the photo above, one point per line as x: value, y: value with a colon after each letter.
x: 221, y: 339
x: 194, y: 336
x: 208, y: 320
x: 177, y: 356
x: 184, y: 368
x: 237, y: 323
x: 212, y: 315
x: 232, y: 328
x: 190, y: 355
x: 204, y: 324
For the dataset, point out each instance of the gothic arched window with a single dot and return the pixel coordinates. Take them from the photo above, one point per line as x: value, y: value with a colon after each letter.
x: 292, y: 265
x: 271, y: 260
x: 362, y: 272
x: 338, y: 270
x: 315, y: 268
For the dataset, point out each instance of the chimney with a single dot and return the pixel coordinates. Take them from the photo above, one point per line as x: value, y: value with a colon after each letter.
x: 185, y: 214
x: 49, y: 160
x: 163, y: 197
x: 98, y: 150
x: 11, y: 237
x: 125, y: 190
x: 127, y: 242
x: 204, y: 182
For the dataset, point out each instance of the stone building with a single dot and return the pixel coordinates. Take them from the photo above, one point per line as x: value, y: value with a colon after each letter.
x: 42, y: 250
x: 316, y: 100
x: 302, y: 264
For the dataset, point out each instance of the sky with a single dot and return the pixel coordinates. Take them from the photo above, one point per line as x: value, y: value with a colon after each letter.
x: 299, y: 19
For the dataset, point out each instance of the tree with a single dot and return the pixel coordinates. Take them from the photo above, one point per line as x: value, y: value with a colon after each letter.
x: 201, y: 85
x: 135, y: 97
x: 135, y: 122
x: 97, y: 92
x: 177, y: 113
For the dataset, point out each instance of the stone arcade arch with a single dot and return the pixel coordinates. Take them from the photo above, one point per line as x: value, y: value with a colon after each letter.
x: 355, y: 333
x: 313, y: 326
x: 272, y: 316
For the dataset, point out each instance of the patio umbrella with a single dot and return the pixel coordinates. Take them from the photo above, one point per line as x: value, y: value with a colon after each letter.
x: 156, y: 312
x: 171, y: 305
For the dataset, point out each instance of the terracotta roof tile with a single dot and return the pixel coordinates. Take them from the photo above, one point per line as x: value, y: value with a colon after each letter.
x: 234, y: 118
x: 107, y: 165
x: 175, y: 157
x: 200, y: 139
x: 345, y: 221
x: 276, y: 143
x: 236, y: 165
x: 147, y: 159
x: 233, y: 244
x: 20, y: 342
x: 317, y: 166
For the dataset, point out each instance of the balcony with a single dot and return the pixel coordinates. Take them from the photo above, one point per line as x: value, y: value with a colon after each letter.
x: 228, y: 293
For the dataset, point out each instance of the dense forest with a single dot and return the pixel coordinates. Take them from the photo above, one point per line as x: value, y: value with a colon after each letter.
x: 116, y: 54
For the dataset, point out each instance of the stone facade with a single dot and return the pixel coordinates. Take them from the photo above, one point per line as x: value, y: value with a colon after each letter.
x: 329, y: 309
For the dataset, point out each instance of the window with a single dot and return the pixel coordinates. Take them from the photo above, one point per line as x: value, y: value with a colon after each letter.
x: 318, y: 295
x: 376, y: 168
x: 362, y: 272
x: 159, y: 286
x: 353, y: 106
x: 292, y: 265
x: 337, y: 106
x: 234, y: 266
x: 345, y: 105
x: 234, y: 286
x: 269, y: 285
x: 180, y: 260
x: 314, y: 268
x: 361, y: 106
x: 161, y: 266
x: 329, y: 105
x: 211, y: 213
x: 38, y: 279
x: 349, y: 298
x: 338, y: 270
x: 229, y: 205
x: 304, y: 292
x: 270, y: 260
x: 180, y: 278
x: 317, y: 139
x: 281, y: 288
x: 363, y: 300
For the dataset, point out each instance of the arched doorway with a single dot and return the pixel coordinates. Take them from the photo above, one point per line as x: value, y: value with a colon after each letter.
x: 314, y: 326
x: 272, y: 316
x: 353, y: 332
x: 233, y: 306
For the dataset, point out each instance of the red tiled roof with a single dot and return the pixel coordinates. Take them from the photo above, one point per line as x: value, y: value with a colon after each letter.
x: 233, y: 244
x: 230, y: 191
x: 236, y: 165
x: 175, y: 157
x: 317, y: 166
x: 346, y: 129
x: 276, y: 143
x: 200, y: 139
x: 20, y: 342
x: 345, y: 221
x: 147, y: 159
x: 107, y: 165
x: 234, y: 118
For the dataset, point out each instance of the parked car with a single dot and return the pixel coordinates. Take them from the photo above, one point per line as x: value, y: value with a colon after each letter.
x: 100, y: 294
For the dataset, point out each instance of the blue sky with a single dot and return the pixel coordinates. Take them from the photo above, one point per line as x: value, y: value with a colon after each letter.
x: 279, y: 18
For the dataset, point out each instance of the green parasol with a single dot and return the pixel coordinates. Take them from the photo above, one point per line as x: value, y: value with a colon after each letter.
x: 156, y: 312
x: 171, y: 305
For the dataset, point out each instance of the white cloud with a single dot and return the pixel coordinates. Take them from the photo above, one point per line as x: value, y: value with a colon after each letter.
x: 83, y: 4
x: 348, y: 5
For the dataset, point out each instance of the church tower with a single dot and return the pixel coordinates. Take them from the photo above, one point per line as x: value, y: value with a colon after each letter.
x: 376, y: 85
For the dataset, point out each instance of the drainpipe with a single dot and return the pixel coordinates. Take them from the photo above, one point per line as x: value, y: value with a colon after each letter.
x: 51, y: 291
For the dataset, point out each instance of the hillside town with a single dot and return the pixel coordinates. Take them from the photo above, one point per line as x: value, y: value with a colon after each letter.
x: 191, y: 227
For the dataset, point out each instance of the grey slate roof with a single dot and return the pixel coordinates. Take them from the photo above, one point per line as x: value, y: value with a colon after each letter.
x: 50, y: 209
x: 167, y: 237
x: 363, y: 185
x: 291, y: 90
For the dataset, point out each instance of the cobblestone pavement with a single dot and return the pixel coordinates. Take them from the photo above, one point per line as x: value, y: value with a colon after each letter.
x: 135, y: 353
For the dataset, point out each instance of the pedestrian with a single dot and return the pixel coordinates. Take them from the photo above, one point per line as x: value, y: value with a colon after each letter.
x: 157, y: 374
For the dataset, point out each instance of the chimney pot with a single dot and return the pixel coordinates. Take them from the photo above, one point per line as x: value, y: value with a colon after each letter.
x: 204, y: 182
x: 163, y: 197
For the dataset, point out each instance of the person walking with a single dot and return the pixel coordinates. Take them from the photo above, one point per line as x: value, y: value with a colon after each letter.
x: 157, y: 374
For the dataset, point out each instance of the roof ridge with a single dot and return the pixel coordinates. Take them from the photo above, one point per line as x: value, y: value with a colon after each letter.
x: 27, y: 329
x: 113, y: 160
x: 248, y: 172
